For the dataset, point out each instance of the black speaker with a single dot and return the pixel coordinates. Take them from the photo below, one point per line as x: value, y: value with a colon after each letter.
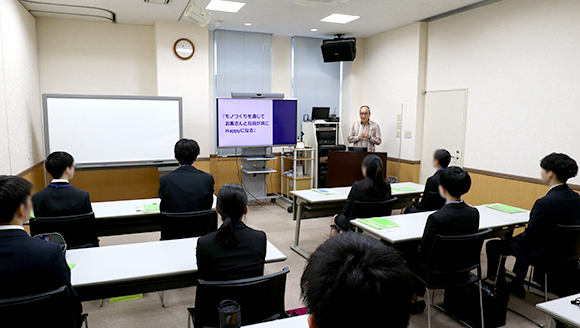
x: 339, y: 49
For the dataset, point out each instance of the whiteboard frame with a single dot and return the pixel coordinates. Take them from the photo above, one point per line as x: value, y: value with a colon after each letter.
x: 153, y: 162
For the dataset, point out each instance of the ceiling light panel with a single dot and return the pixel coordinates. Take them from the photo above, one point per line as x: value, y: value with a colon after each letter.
x: 227, y: 6
x: 339, y: 18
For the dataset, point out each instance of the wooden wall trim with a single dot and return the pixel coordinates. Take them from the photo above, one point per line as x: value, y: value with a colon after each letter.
x: 406, y: 161
x: 30, y: 169
x: 512, y: 177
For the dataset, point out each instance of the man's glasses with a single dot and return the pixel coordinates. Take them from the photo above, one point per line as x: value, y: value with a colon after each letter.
x: 365, y: 114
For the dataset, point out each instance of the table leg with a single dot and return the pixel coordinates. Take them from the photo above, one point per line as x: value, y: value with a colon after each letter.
x: 297, y: 213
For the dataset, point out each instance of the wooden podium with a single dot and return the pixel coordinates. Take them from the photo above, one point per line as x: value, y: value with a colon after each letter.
x: 344, y: 167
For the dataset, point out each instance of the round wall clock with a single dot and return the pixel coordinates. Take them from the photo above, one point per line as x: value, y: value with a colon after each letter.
x: 184, y: 49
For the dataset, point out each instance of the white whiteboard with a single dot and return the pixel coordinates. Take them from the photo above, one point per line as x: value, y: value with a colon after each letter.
x: 110, y: 130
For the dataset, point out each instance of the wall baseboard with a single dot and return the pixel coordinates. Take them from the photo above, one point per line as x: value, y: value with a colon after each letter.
x: 513, y: 177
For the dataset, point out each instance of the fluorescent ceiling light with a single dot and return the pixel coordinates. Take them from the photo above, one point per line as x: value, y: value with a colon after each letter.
x: 248, y: 24
x: 313, y: 30
x: 339, y: 18
x: 227, y: 6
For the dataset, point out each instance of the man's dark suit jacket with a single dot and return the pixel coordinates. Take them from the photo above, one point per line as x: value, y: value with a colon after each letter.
x: 357, y: 194
x: 31, y: 266
x: 560, y: 206
x: 186, y: 189
x: 453, y: 219
x: 64, y: 200
x: 432, y: 185
x: 216, y: 262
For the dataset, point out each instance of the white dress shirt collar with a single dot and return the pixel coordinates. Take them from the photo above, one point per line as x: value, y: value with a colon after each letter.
x: 554, y: 186
x: 454, y: 201
x: 11, y: 227
x: 59, y: 181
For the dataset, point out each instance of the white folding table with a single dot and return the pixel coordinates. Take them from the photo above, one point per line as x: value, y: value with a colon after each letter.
x: 127, y: 216
x: 312, y: 204
x: 411, y: 226
x: 562, y: 310
x: 294, y: 322
x: 110, y: 271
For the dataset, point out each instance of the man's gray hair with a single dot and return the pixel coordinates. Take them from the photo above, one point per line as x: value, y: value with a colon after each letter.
x: 365, y: 106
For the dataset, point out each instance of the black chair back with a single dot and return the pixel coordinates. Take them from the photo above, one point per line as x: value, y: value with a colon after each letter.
x: 261, y: 299
x: 364, y: 210
x: 188, y: 224
x: 79, y: 231
x: 50, y: 309
x: 452, y: 258
x: 563, y: 248
x: 433, y: 201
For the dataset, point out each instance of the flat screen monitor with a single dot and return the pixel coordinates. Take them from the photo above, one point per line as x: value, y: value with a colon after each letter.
x: 320, y: 113
x: 256, y: 122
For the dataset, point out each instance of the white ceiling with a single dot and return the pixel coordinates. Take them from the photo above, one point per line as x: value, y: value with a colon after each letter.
x: 280, y: 17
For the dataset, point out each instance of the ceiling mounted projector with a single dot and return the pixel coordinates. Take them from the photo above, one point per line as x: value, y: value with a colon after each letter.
x: 197, y: 14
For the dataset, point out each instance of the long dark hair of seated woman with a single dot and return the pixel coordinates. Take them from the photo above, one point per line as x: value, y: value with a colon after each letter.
x: 232, y: 202
x: 374, y: 183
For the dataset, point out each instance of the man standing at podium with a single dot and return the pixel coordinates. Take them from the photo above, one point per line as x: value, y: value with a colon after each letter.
x: 365, y: 133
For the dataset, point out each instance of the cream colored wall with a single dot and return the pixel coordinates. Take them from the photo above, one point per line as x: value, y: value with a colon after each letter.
x: 282, y: 65
x: 82, y: 57
x: 519, y: 60
x: 391, y: 74
x: 188, y: 79
x: 20, y: 111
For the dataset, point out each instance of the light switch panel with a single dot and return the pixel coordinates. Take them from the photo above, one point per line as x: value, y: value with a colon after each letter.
x: 398, y: 133
x: 408, y: 134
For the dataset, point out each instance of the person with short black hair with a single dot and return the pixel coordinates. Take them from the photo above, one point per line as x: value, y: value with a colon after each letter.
x: 60, y: 198
x: 186, y: 189
x: 373, y: 188
x: 235, y: 251
x: 454, y: 219
x: 28, y: 266
x: 561, y: 205
x: 355, y: 281
x: 441, y: 160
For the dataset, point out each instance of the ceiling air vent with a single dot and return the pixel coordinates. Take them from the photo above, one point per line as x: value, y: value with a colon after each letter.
x: 318, y: 2
x: 158, y: 2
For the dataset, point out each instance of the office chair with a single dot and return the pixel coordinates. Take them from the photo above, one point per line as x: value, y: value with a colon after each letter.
x: 79, y: 231
x: 450, y: 262
x: 261, y: 299
x: 50, y: 309
x: 364, y: 210
x: 188, y: 224
x: 561, y: 255
x: 433, y: 201
x: 55, y: 238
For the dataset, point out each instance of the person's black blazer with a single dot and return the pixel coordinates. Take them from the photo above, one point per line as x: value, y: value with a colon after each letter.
x: 432, y: 185
x: 560, y: 206
x: 216, y: 262
x: 61, y: 199
x: 31, y: 266
x: 186, y: 189
x: 453, y: 219
x: 357, y: 194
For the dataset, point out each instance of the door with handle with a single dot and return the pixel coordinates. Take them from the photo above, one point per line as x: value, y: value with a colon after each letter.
x: 443, y: 128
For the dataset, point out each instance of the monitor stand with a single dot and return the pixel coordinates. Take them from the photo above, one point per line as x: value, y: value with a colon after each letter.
x: 255, y: 172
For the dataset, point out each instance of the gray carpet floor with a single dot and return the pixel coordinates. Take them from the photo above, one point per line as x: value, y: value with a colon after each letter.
x: 279, y: 227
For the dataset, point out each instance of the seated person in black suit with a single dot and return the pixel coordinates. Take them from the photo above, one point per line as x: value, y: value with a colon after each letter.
x: 355, y: 281
x: 186, y: 189
x: 60, y: 198
x: 454, y: 219
x: 441, y: 160
x: 560, y: 206
x: 235, y: 251
x: 28, y: 266
x: 373, y: 188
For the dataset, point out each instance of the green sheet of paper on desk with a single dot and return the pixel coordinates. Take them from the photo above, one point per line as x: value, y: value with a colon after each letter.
x: 150, y: 208
x: 505, y: 208
x: 379, y: 223
x: 326, y: 192
x: 71, y: 265
x: 403, y: 189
